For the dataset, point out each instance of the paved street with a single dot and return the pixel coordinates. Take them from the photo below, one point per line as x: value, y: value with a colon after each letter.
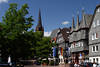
x: 47, y: 66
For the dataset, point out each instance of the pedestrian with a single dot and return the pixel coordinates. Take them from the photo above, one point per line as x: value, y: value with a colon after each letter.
x: 94, y: 64
x: 71, y: 64
x: 87, y: 65
x: 76, y: 65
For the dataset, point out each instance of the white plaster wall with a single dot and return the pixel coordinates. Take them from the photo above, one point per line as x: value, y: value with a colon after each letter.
x: 91, y: 59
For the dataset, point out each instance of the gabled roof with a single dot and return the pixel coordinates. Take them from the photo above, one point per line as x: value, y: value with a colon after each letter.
x: 87, y: 19
x: 65, y: 33
x: 54, y: 33
x: 94, y: 15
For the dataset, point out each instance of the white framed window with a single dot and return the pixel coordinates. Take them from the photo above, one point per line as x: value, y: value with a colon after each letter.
x: 98, y: 10
x: 93, y: 59
x: 98, y: 22
x: 82, y: 44
x: 97, y: 60
x: 95, y: 48
x: 94, y: 36
x: 94, y: 24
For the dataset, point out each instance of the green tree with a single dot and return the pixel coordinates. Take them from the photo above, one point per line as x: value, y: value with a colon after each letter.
x: 44, y: 47
x: 16, y: 40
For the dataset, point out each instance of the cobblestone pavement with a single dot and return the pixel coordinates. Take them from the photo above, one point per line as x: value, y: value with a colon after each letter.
x: 47, y: 66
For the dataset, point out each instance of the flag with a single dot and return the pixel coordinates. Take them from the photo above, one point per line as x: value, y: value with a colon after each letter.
x: 54, y: 52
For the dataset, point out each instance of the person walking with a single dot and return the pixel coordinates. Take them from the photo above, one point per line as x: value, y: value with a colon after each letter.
x: 76, y: 65
x: 94, y: 64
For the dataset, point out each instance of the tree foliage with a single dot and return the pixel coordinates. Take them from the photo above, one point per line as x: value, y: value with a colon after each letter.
x: 16, y: 39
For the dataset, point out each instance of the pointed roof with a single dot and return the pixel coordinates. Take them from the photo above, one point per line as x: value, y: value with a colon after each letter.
x: 39, y: 19
x: 86, y: 19
x: 77, y: 25
x: 39, y: 26
x: 83, y: 20
x: 73, y: 25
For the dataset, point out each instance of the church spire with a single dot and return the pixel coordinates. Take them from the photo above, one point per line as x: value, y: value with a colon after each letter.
x: 73, y: 26
x: 39, y: 18
x: 77, y: 25
x: 39, y: 26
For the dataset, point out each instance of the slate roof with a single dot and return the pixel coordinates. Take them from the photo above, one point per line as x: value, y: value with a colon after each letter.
x: 54, y: 33
x: 98, y: 6
x: 65, y: 33
x: 88, y: 18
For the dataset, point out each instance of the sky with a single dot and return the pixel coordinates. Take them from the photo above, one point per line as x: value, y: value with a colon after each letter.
x: 55, y: 13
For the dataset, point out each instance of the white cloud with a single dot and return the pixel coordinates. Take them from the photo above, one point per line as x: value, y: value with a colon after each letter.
x: 3, y: 1
x: 65, y: 22
x: 46, y: 34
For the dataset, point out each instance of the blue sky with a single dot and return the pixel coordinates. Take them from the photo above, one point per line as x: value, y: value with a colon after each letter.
x: 54, y: 12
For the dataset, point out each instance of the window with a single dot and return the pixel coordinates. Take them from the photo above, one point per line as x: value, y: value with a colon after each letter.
x: 98, y: 22
x: 93, y: 48
x: 93, y: 59
x: 94, y: 24
x: 96, y: 48
x: 97, y: 60
x: 98, y: 10
x: 94, y: 36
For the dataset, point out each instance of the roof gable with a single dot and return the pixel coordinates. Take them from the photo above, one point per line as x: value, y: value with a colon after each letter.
x: 98, y: 6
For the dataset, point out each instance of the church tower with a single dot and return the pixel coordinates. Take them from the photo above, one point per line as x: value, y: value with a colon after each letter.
x: 39, y: 26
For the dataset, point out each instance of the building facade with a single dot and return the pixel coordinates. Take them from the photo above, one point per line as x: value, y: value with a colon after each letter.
x: 94, y: 37
x: 79, y: 39
x: 62, y: 41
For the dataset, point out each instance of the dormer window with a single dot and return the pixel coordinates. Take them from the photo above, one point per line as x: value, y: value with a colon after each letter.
x: 94, y: 24
x: 94, y: 36
x: 98, y: 22
x: 98, y: 10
